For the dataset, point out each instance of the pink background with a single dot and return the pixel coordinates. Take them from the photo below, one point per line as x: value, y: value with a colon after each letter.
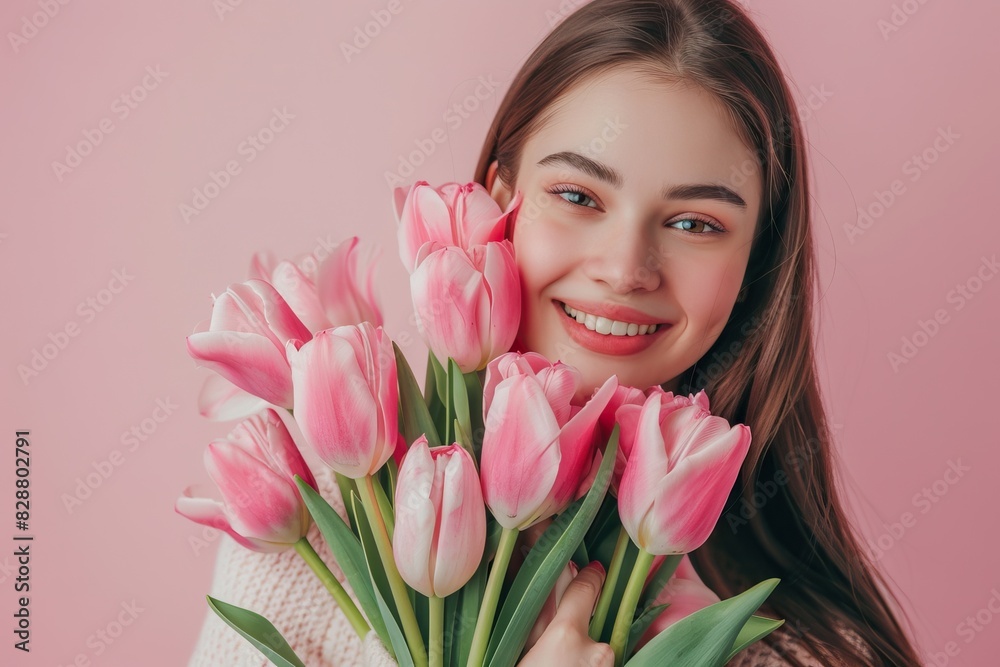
x: 870, y: 102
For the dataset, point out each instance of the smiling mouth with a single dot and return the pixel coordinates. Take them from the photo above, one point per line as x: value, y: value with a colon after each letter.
x: 606, y: 326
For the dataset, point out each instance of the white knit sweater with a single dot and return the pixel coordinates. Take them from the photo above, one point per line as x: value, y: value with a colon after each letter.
x: 283, y: 589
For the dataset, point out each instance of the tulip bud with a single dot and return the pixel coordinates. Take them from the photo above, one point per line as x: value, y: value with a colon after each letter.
x: 452, y: 215
x: 335, y: 292
x: 440, y: 526
x: 246, y: 340
x: 537, y: 447
x: 254, y: 469
x: 468, y: 304
x: 679, y: 473
x: 346, y: 397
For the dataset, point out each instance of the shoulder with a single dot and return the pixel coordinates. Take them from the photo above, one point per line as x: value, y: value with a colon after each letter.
x: 789, y: 644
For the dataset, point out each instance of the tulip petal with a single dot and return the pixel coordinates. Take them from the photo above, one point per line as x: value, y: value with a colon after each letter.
x: 339, y: 284
x: 520, y: 453
x: 334, y: 405
x: 262, y: 265
x: 221, y: 400
x: 559, y: 384
x: 687, y: 502
x: 300, y: 294
x: 416, y: 518
x: 645, y: 467
x: 211, y: 513
x: 447, y: 292
x: 248, y: 360
x: 461, y: 535
x: 577, y: 444
x: 261, y: 503
x: 687, y: 430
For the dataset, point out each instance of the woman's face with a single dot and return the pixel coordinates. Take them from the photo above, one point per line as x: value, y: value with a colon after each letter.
x: 640, y: 203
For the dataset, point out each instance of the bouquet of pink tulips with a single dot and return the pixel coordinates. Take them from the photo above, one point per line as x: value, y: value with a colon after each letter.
x: 439, y: 482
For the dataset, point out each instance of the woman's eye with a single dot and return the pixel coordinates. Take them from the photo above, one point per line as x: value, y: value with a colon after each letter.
x: 575, y: 197
x: 696, y: 226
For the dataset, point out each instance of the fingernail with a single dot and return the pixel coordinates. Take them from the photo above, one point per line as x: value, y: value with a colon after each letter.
x: 598, y: 566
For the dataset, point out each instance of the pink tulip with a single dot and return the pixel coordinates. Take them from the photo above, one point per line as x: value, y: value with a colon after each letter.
x: 331, y: 293
x: 627, y: 417
x: 537, y: 447
x: 468, y: 304
x: 679, y: 473
x: 254, y: 468
x: 246, y: 340
x: 346, y: 397
x: 440, y: 531
x: 685, y: 593
x: 452, y: 214
x: 624, y: 395
x: 221, y: 400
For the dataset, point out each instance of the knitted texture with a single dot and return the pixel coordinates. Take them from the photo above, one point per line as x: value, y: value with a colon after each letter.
x: 283, y: 589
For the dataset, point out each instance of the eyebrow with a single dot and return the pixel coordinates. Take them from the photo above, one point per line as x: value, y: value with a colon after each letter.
x: 611, y: 176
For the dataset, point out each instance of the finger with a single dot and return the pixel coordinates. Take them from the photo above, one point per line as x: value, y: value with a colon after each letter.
x: 578, y: 602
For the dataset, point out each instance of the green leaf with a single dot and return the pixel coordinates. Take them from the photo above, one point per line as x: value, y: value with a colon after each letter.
x: 449, y: 404
x: 641, y: 624
x: 258, y: 631
x: 431, y: 397
x: 707, y: 636
x: 440, y: 377
x: 603, y: 535
x: 346, y: 486
x: 414, y: 409
x: 346, y: 550
x: 422, y: 610
x: 756, y: 627
x: 385, y: 506
x: 465, y: 612
x: 460, y: 398
x: 380, y: 589
x: 474, y: 389
x: 546, y: 560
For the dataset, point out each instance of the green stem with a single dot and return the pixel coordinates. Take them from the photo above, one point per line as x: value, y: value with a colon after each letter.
x: 608, y: 592
x: 626, y: 611
x: 399, y: 593
x: 436, y: 605
x: 488, y: 610
x: 347, y: 605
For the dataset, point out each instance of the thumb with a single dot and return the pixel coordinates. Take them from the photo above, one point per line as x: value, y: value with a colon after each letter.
x: 578, y: 602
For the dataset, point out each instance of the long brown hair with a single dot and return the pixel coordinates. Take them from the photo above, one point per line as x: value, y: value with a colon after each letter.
x: 784, y: 518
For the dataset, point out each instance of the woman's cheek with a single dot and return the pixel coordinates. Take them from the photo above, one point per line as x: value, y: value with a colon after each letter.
x: 707, y: 297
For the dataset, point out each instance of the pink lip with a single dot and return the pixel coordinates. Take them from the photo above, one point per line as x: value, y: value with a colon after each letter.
x: 606, y: 343
x: 613, y: 311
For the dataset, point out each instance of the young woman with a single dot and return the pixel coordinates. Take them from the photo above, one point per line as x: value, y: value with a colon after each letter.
x: 664, y: 237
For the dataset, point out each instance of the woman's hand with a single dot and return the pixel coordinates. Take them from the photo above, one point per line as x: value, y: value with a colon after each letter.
x: 566, y: 640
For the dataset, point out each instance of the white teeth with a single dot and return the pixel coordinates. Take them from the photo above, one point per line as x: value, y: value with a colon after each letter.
x: 603, y: 325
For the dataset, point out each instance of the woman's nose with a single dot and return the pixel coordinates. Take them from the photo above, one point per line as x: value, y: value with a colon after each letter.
x: 625, y: 261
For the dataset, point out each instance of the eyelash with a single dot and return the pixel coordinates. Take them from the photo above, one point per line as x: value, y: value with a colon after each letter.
x: 562, y: 189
